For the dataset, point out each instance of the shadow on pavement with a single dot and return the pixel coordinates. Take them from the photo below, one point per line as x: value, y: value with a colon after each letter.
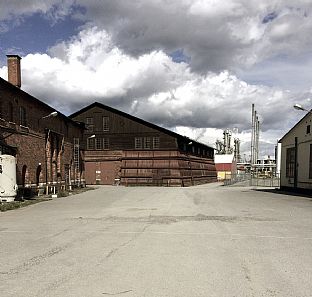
x: 288, y: 193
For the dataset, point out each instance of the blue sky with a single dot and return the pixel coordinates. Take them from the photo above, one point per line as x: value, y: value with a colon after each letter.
x: 192, y: 66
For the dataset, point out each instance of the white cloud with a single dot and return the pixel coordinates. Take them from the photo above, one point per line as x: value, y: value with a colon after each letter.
x: 122, y: 59
x: 91, y: 68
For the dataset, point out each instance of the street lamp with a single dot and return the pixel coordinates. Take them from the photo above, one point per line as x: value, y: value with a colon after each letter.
x: 52, y: 114
x: 300, y: 107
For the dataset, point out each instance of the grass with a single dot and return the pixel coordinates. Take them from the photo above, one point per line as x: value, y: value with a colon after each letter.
x: 5, y: 206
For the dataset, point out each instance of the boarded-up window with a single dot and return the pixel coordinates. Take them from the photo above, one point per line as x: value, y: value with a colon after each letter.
x: 147, y: 143
x: 105, y: 143
x: 155, y: 142
x: 138, y: 143
x: 22, y: 116
x: 89, y: 124
x: 290, y: 162
x: 105, y: 124
x: 310, y: 163
x: 90, y: 143
x: 308, y: 129
x: 99, y: 143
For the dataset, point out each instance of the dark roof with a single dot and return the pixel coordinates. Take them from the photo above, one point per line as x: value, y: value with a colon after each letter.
x: 15, y: 89
x: 138, y: 120
x: 306, y: 115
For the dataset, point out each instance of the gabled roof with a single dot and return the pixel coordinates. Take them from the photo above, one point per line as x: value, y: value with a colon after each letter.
x: 138, y: 120
x: 17, y: 90
x: 301, y: 121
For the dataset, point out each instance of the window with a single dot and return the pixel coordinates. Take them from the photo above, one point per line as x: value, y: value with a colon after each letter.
x: 99, y: 143
x: 308, y: 129
x: 90, y: 143
x: 22, y: 116
x: 147, y: 143
x: 105, y: 124
x: 138, y: 143
x: 310, y: 163
x: 290, y: 162
x: 105, y: 143
x: 89, y: 124
x: 155, y: 142
x: 10, y: 112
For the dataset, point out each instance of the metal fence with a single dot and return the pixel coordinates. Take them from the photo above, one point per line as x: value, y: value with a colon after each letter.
x: 248, y: 179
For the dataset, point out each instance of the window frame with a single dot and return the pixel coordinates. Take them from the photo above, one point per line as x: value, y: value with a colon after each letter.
x: 105, y: 143
x: 156, y: 142
x: 91, y: 144
x: 22, y: 116
x: 290, y: 162
x: 105, y: 123
x: 138, y: 143
x: 98, y: 143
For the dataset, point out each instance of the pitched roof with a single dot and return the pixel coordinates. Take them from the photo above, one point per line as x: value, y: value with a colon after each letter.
x: 15, y: 89
x: 296, y: 125
x: 138, y: 120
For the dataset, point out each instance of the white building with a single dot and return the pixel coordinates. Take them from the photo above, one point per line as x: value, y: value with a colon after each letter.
x: 296, y: 157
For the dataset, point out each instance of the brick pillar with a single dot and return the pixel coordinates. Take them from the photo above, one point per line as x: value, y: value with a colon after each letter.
x: 14, y: 70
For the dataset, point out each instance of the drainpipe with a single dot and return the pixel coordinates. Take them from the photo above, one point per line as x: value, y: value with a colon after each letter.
x: 296, y: 164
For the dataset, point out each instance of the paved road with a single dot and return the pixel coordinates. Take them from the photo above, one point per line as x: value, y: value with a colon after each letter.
x: 156, y: 242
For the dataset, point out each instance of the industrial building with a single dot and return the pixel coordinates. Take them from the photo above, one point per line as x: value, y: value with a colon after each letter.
x: 123, y: 149
x: 296, y: 157
x: 226, y: 166
x: 44, y: 142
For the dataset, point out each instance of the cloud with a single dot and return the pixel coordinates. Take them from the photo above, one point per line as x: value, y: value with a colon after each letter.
x: 184, y: 63
x: 214, y: 35
x: 90, y: 67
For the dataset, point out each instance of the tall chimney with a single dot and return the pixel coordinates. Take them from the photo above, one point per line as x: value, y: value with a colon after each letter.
x: 14, y: 70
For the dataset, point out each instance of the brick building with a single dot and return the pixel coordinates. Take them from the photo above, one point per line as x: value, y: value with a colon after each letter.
x: 121, y: 148
x: 41, y: 138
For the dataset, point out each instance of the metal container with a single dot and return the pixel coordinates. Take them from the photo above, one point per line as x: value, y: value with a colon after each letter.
x: 8, y: 186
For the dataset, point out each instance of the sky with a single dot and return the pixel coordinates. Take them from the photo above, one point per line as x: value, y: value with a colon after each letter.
x: 192, y: 66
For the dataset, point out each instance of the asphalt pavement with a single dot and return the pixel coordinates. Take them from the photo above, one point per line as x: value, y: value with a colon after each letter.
x: 207, y: 240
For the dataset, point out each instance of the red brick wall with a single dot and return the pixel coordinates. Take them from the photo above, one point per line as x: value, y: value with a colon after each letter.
x: 31, y: 141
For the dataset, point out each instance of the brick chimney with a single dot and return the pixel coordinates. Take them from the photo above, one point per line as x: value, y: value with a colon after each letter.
x: 14, y: 70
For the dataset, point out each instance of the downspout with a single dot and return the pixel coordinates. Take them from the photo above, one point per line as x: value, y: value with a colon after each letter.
x: 296, y: 164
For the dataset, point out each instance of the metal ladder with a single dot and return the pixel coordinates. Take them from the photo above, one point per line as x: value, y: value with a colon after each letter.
x: 76, y: 158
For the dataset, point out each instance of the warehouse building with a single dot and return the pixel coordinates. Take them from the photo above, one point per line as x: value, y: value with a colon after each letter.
x: 44, y: 141
x: 123, y: 149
